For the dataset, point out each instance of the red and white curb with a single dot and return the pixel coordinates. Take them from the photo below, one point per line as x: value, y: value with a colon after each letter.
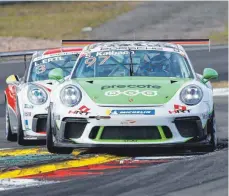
x: 7, y: 184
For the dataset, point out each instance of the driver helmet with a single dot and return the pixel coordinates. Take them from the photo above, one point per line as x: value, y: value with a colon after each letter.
x: 156, y: 63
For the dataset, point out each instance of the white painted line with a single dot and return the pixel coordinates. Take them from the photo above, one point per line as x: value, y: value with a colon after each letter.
x: 163, y: 157
x: 220, y: 92
x: 196, y: 48
x: 7, y: 184
x: 1, y: 149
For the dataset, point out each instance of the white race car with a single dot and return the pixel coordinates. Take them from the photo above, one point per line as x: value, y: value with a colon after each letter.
x: 132, y: 94
x: 27, y: 98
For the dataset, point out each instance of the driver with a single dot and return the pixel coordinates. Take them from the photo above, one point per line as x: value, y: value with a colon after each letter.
x: 155, y: 66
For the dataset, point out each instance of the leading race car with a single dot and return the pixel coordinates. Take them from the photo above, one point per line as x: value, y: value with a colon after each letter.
x: 132, y: 93
x: 27, y: 98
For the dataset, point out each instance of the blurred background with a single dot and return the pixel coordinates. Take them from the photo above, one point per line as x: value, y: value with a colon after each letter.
x: 34, y: 25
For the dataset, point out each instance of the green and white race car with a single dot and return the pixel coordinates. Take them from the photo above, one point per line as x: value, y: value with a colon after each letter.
x: 132, y: 94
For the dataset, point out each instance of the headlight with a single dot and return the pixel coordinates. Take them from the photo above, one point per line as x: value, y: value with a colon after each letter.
x: 37, y: 95
x: 191, y: 95
x: 70, y: 95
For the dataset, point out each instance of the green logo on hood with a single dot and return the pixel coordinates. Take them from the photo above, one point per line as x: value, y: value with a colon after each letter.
x: 130, y: 86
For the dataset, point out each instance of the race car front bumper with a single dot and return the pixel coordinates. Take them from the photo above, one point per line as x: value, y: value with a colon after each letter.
x: 141, y: 131
x: 36, y: 127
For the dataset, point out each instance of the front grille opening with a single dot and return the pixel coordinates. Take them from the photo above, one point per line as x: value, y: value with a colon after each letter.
x: 131, y: 133
x: 94, y: 132
x: 74, y: 129
x: 41, y: 124
x: 187, y: 128
x: 167, y: 132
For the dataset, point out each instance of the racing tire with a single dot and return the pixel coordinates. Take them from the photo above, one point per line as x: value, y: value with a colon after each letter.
x: 211, y: 129
x: 12, y: 137
x: 20, y: 132
x: 49, y: 139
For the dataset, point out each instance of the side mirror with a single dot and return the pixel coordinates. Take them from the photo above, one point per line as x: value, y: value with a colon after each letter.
x: 209, y: 74
x: 56, y: 74
x: 12, y: 79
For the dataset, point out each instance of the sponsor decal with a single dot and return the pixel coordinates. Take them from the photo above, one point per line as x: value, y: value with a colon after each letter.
x: 113, y: 53
x: 27, y: 113
x: 40, y: 69
x: 179, y: 109
x: 113, y: 93
x: 130, y: 100
x: 130, y: 86
x: 127, y: 122
x: 132, y: 112
x: 26, y: 124
x: 47, y: 60
x: 82, y: 110
x: 28, y: 106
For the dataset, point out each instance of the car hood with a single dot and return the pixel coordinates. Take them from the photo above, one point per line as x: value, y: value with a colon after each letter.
x: 48, y: 85
x: 132, y: 90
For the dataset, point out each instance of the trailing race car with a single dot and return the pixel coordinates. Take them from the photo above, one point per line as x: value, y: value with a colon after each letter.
x: 132, y: 94
x: 27, y: 98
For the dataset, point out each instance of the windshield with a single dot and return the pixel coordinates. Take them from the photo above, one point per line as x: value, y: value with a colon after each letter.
x: 41, y: 67
x: 121, y: 63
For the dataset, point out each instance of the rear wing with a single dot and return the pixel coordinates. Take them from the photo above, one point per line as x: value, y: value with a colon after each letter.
x: 183, y: 42
x: 17, y: 54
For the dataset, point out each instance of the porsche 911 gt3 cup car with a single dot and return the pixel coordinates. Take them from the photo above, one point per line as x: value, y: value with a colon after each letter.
x: 132, y: 93
x: 27, y: 99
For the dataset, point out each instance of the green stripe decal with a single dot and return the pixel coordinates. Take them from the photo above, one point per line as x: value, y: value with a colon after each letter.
x: 161, y: 133
x: 98, y: 136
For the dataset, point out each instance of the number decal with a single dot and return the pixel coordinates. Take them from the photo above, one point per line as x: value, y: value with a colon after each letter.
x: 90, y: 61
x: 104, y: 60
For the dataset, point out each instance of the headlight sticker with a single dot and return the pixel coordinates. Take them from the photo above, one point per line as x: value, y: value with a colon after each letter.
x: 82, y: 110
x: 27, y: 113
x: 179, y: 109
x: 28, y: 106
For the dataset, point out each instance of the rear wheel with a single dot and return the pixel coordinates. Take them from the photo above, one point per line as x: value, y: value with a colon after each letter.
x: 12, y: 137
x: 49, y: 139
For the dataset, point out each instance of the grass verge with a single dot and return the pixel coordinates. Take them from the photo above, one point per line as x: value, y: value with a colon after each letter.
x: 221, y: 84
x: 220, y: 37
x: 57, y: 20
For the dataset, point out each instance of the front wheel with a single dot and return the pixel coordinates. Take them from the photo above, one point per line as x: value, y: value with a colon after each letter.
x: 211, y: 129
x: 20, y: 133
x: 49, y: 139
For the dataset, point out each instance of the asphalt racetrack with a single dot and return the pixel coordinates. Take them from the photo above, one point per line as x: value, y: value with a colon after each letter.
x: 139, y: 173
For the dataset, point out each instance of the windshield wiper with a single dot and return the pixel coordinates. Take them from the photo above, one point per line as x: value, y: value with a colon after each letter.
x: 131, y: 64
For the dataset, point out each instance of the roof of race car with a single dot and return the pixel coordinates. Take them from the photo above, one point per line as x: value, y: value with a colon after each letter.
x: 52, y: 52
x: 134, y: 45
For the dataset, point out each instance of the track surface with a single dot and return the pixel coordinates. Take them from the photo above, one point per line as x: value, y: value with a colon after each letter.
x: 166, y: 19
x: 197, y: 175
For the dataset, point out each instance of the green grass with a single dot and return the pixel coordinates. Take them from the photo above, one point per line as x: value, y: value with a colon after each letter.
x: 220, y: 37
x: 221, y: 84
x: 57, y: 20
